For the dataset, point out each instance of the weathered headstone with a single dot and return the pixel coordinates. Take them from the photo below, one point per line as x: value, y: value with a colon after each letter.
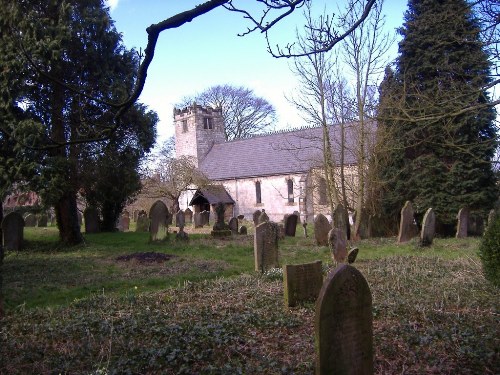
x: 188, y: 215
x: 197, y: 220
x: 338, y: 244
x: 180, y: 219
x: 243, y: 230
x: 124, y: 223
x: 13, y: 231
x: 302, y: 282
x: 233, y: 225
x: 158, y: 228
x: 266, y: 246
x: 255, y: 217
x: 220, y: 228
x: 428, y: 228
x: 341, y: 219
x: 291, y: 225
x: 30, y: 220
x: 91, y: 217
x: 142, y: 224
x: 463, y: 223
x: 42, y: 220
x: 263, y: 217
x: 407, y: 227
x: 321, y: 229
x: 344, y: 324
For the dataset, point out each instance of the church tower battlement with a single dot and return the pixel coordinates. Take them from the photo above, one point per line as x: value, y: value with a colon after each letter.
x: 197, y: 129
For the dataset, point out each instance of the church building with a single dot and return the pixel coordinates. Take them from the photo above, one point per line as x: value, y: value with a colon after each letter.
x: 280, y: 172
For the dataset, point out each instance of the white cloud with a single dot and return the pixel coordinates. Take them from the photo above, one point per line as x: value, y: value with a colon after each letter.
x: 112, y: 4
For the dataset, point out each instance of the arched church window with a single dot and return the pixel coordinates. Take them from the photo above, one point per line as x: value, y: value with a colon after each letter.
x: 258, y: 194
x: 290, y: 190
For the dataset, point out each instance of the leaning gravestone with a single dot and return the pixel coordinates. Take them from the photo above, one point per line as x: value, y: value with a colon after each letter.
x: 407, y: 227
x: 91, y: 217
x: 338, y: 244
x: 463, y: 223
x: 158, y: 214
x: 266, y: 246
x: 13, y: 231
x: 255, y: 217
x: 30, y: 220
x: 291, y: 225
x: 340, y: 219
x: 188, y: 214
x: 42, y: 220
x: 233, y: 225
x: 302, y: 282
x: 263, y: 217
x: 428, y: 228
x: 343, y: 324
x: 321, y: 228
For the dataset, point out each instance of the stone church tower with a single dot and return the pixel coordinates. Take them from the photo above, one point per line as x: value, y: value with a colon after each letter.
x: 197, y: 129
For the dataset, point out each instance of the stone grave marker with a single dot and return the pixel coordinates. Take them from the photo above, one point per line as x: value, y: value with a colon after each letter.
x: 142, y: 223
x: 263, y: 217
x: 243, y: 230
x: 352, y: 255
x: 220, y: 228
x: 30, y: 220
x: 42, y: 220
x: 13, y: 231
x: 197, y: 220
x: 407, y: 227
x: 91, y: 217
x: 302, y: 282
x: 344, y: 324
x: 266, y: 246
x: 338, y: 244
x: 180, y: 219
x: 158, y: 228
x: 291, y: 225
x: 321, y: 228
x: 255, y: 217
x: 188, y: 215
x: 124, y: 223
x: 340, y: 219
x: 463, y: 223
x: 233, y: 225
x: 428, y: 228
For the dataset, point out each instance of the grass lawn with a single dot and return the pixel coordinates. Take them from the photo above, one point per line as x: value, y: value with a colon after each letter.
x: 87, y: 310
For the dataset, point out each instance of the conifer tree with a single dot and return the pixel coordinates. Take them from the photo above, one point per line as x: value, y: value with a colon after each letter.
x: 435, y: 115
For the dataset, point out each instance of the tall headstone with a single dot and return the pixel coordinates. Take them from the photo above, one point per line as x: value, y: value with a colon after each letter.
x: 124, y: 223
x: 42, y: 220
x: 158, y: 214
x: 341, y: 219
x: 263, y: 217
x: 344, y: 324
x: 266, y: 246
x: 233, y: 225
x: 291, y: 225
x: 91, y: 217
x: 428, y: 228
x: 30, y: 220
x: 407, y: 226
x: 338, y: 244
x: 188, y: 214
x: 463, y: 223
x: 255, y: 217
x: 197, y: 220
x: 321, y: 228
x: 302, y: 282
x: 13, y: 231
x: 180, y: 219
x: 142, y: 223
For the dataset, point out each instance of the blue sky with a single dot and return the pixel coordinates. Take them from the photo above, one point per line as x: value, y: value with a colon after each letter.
x: 208, y: 52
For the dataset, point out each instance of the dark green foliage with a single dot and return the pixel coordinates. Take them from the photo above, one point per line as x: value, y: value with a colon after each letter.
x: 434, y: 115
x: 489, y: 252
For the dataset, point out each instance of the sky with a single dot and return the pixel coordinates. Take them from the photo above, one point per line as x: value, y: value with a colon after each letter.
x: 208, y: 52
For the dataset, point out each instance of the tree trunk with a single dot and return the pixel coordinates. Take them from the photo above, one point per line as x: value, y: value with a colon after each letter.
x: 2, y: 313
x: 67, y: 219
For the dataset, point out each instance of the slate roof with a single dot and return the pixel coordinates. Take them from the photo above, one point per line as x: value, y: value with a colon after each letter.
x: 213, y: 194
x: 295, y: 151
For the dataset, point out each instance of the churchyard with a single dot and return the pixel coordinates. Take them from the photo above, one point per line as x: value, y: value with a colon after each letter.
x: 121, y: 304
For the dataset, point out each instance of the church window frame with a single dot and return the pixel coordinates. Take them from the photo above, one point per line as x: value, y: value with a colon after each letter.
x: 208, y: 123
x: 184, y: 126
x: 289, y: 184
x: 258, y: 192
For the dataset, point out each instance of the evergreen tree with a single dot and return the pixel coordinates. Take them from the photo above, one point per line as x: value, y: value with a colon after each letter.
x: 435, y: 116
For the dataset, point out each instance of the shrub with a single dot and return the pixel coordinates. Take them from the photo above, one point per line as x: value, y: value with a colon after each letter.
x: 489, y: 251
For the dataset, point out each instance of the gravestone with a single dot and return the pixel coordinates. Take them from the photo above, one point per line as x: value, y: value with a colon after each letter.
x: 344, y: 324
x: 158, y: 228
x: 180, y: 219
x: 243, y: 230
x: 30, y: 220
x: 352, y: 255
x: 340, y: 219
x: 255, y: 217
x: 338, y: 244
x: 291, y: 225
x: 428, y: 228
x: 124, y: 223
x: 476, y: 225
x: 197, y: 220
x: 233, y: 225
x: 240, y: 217
x: 321, y: 228
x: 91, y: 217
x: 407, y: 227
x: 463, y: 223
x: 220, y: 228
x: 142, y: 224
x: 302, y: 282
x: 266, y: 246
x: 42, y: 220
x: 13, y: 231
x: 263, y: 217
x: 188, y: 215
